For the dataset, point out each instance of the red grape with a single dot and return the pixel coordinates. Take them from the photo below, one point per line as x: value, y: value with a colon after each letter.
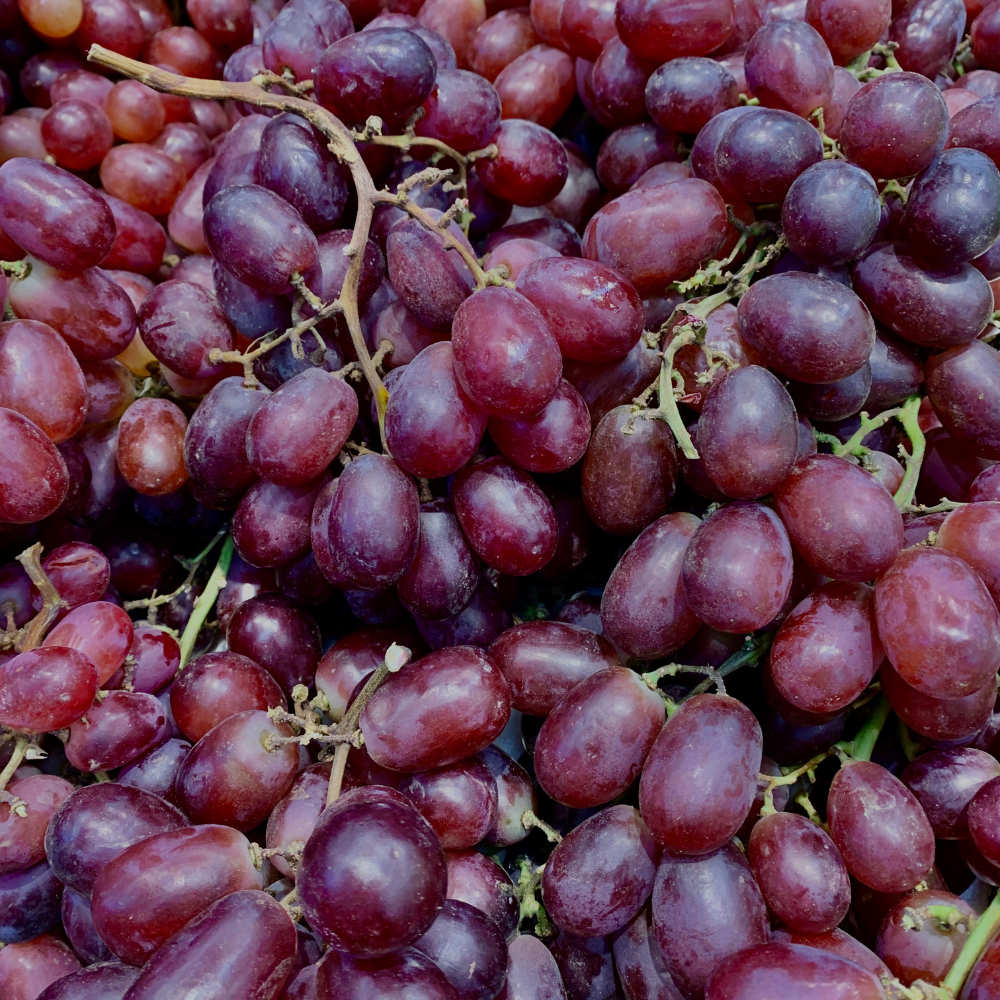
x: 789, y: 66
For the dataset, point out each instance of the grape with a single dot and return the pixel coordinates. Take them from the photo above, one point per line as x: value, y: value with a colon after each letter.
x: 967, y: 533
x: 135, y: 111
x: 214, y: 443
x: 537, y: 86
x: 544, y: 660
x: 34, y: 478
x: 184, y: 223
x: 99, y: 630
x: 605, y: 385
x: 387, y: 72
x: 984, y: 487
x: 760, y: 154
x: 984, y: 32
x: 593, y: 744
x: 499, y: 40
x: 848, y: 28
x: 147, y: 894
x: 531, y: 165
x: 216, y: 686
x: 202, y: 954
x: 585, y: 964
x: 155, y: 771
x: 896, y: 372
x: 412, y: 722
x: 21, y: 136
x: 232, y: 777
x: 294, y: 817
x: 837, y: 942
x: 349, y: 530
x: 959, y: 626
x: 739, y: 543
x: 143, y: 176
x: 181, y: 323
x: 393, y: 901
x: 40, y: 379
x: 86, y: 308
x: 553, y: 232
x: 684, y: 94
x: 430, y: 280
x: 259, y: 237
x: 185, y: 143
x: 516, y: 255
x: 97, y: 823
x: 927, y: 33
x: 443, y: 575
x: 22, y: 837
x: 46, y: 689
x: 862, y: 529
x: 296, y: 165
x: 895, y: 125
x: 945, y: 782
x: 659, y: 34
x: 459, y: 802
x: 477, y: 624
x: 663, y: 173
x: 949, y: 468
x: 601, y: 874
x: 298, y: 38
x: 532, y: 971
x: 432, y: 427
x: 800, y: 872
x: 916, y: 946
x: 117, y: 730
x: 30, y: 901
x: 139, y: 240
x: 80, y: 85
x: 80, y: 931
x: 838, y: 400
x: 27, y: 968
x: 629, y: 152
x: 507, y: 519
x: 409, y: 969
x: 237, y: 158
x: 831, y: 212
x: 960, y: 385
x: 271, y: 526
x: 628, y: 480
x: 222, y: 22
x: 788, y: 66
x: 704, y: 910
x: 640, y: 976
x: 352, y: 658
x: 77, y: 134
x: 742, y: 464
x: 644, y: 610
x: 515, y: 795
x: 792, y: 971
x: 478, y: 880
x: 298, y: 430
x: 890, y: 853
x: 594, y: 312
x: 277, y: 635
x: 827, y: 650
x: 468, y: 948
x: 456, y: 21
x: 185, y: 50
x: 151, y: 447
x: 618, y: 85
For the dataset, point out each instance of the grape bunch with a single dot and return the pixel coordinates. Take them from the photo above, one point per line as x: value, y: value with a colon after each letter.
x: 499, y: 502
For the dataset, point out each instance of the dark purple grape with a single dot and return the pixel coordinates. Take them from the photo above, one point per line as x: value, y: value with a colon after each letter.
x: 841, y: 519
x: 961, y: 385
x: 388, y: 72
x: 239, y: 946
x: 155, y: 772
x: 120, y: 728
x: 295, y: 164
x: 831, y: 212
x: 628, y: 479
x: 408, y: 970
x: 237, y: 158
x: 301, y: 33
x: 468, y: 948
x: 848, y: 28
x: 481, y: 882
x: 532, y: 971
x: 97, y: 823
x: 880, y: 828
x: 29, y: 903
x: 641, y: 977
x: 945, y: 782
x: 586, y: 965
x: 761, y: 153
x: 278, y: 635
x: 601, y: 874
x: 629, y: 152
x: 975, y: 127
x: 462, y: 110
x: 372, y: 876
x: 657, y: 33
x: 740, y: 543
x: 895, y: 125
x: 593, y: 744
x: 252, y: 313
x: 515, y: 795
x: 413, y: 721
x: 832, y: 401
x: 365, y: 525
x: 788, y: 66
x: 477, y: 624
x: 531, y: 166
x: 684, y: 94
x: 927, y: 34
x: 704, y: 910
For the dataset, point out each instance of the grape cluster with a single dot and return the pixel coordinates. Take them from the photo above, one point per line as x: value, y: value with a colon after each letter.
x: 498, y: 502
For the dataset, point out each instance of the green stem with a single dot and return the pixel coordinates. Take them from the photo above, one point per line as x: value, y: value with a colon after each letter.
x: 853, y: 445
x: 907, y: 416
x: 19, y: 269
x: 754, y: 647
x: 864, y: 742
x: 910, y: 749
x: 206, y: 601
x: 667, y: 408
x: 974, y: 946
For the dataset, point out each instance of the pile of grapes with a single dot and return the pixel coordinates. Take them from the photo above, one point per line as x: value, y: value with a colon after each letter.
x: 499, y: 502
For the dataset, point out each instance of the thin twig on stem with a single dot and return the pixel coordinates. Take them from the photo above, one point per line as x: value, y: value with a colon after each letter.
x: 34, y: 632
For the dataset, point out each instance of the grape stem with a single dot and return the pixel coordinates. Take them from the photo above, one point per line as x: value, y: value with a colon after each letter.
x: 863, y: 744
x: 973, y: 948
x: 20, y: 749
x: 205, y: 602
x: 531, y: 822
x: 908, y: 417
x: 32, y: 635
x: 17, y: 269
